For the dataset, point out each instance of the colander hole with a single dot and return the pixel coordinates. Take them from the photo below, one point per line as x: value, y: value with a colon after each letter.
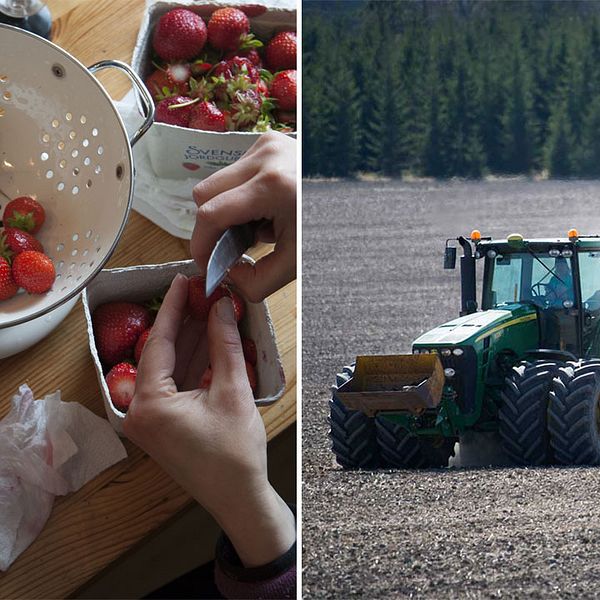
x: 94, y: 132
x: 75, y: 190
x: 3, y: 78
x: 88, y: 234
x: 58, y: 70
x: 97, y: 237
x: 88, y: 185
x: 58, y: 276
x: 45, y: 138
x: 60, y: 187
x: 60, y: 146
x: 68, y: 116
x: 2, y: 112
x: 98, y: 250
x: 119, y: 171
x: 54, y: 123
x: 85, y: 143
x: 79, y: 278
x: 7, y: 96
x: 75, y: 153
x: 98, y: 170
x: 44, y: 156
x: 49, y: 174
x: 72, y: 135
x: 69, y: 276
x: 83, y: 265
x: 75, y: 237
x: 75, y: 171
x: 63, y: 288
x: 83, y: 119
x: 60, y: 247
x: 60, y: 264
x: 92, y: 264
x: 100, y: 150
x: 84, y: 254
x: 87, y: 161
x: 74, y: 253
x: 71, y: 266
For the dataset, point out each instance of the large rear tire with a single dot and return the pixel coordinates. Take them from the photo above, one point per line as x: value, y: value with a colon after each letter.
x: 404, y: 450
x: 352, y: 433
x: 574, y: 413
x: 523, y: 413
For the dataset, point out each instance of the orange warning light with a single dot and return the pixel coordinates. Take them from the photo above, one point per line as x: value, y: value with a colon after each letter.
x: 475, y: 235
x: 573, y: 234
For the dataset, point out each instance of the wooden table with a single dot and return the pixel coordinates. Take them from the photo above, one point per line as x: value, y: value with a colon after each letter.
x: 92, y: 528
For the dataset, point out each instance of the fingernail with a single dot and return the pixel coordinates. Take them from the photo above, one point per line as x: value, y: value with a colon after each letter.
x: 225, y: 311
x: 179, y: 277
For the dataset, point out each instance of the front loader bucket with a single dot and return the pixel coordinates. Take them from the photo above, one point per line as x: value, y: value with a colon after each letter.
x: 411, y: 382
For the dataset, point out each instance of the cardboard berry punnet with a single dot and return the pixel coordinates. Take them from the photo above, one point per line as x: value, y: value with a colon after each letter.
x: 144, y: 282
x: 178, y: 152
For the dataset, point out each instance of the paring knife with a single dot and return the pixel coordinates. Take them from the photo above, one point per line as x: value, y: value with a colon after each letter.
x: 228, y: 251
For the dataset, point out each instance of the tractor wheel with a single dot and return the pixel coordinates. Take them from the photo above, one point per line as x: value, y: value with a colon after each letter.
x: 404, y: 450
x: 352, y: 433
x: 574, y: 413
x: 523, y: 413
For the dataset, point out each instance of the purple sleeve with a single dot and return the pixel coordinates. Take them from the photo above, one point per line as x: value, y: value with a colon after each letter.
x: 276, y: 579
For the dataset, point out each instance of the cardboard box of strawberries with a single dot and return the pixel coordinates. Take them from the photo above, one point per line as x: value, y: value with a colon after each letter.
x: 220, y: 75
x: 120, y: 306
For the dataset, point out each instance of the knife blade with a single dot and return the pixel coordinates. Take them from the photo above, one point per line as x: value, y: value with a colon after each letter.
x: 228, y: 251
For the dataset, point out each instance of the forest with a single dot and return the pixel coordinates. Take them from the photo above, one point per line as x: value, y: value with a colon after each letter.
x: 462, y: 88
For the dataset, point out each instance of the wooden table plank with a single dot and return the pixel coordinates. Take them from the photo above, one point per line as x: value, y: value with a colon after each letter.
x: 90, y: 529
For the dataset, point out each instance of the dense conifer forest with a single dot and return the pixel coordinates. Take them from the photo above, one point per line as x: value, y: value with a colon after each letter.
x: 451, y: 88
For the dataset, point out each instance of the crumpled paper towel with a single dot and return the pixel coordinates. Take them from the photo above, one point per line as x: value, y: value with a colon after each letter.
x: 47, y: 448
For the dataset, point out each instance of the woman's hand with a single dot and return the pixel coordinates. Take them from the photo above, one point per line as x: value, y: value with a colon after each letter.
x: 260, y: 185
x: 212, y: 442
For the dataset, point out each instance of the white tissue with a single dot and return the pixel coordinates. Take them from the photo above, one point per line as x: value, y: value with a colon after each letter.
x: 47, y: 448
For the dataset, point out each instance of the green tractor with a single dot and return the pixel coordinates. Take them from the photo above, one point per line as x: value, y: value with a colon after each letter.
x: 525, y: 365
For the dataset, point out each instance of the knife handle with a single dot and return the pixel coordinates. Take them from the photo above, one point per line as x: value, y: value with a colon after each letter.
x: 247, y: 232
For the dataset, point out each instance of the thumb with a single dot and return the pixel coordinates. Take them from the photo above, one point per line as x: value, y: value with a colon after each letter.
x: 229, y: 379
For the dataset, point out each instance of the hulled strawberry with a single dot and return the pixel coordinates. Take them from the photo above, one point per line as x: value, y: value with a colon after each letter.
x: 283, y: 89
x: 8, y: 287
x: 160, y: 86
x: 120, y: 381
x: 228, y: 28
x: 198, y: 304
x: 179, y: 75
x: 33, y: 271
x: 250, y: 352
x: 117, y: 327
x: 139, y: 345
x: 14, y: 241
x: 24, y: 213
x: 174, y: 111
x: 208, y: 117
x: 180, y: 34
x: 280, y: 52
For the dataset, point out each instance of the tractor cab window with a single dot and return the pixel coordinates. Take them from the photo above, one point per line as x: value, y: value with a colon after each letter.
x: 552, y: 282
x: 506, y: 284
x: 589, y: 270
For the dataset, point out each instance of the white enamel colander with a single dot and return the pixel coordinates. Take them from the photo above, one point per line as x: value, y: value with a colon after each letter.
x: 63, y: 142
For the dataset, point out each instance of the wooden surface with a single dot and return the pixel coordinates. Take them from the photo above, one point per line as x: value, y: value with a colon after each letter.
x: 90, y: 529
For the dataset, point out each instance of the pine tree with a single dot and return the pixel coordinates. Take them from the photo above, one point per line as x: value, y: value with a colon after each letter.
x: 560, y: 144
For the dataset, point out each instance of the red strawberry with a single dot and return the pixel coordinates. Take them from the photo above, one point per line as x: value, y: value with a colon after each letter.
x: 160, y: 87
x: 251, y: 372
x: 139, y: 345
x: 24, y: 213
x: 250, y: 353
x: 239, y: 306
x: 206, y: 379
x: 121, y: 385
x: 250, y: 53
x: 8, y: 287
x: 180, y: 34
x: 208, y: 117
x: 117, y: 328
x: 238, y: 65
x: 198, y: 304
x: 227, y: 28
x: 174, y: 111
x: 16, y: 241
x: 283, y: 89
x: 179, y: 74
x: 284, y: 116
x: 280, y: 52
x: 33, y: 271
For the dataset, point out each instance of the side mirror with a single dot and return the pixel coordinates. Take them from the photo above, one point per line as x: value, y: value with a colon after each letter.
x: 450, y: 258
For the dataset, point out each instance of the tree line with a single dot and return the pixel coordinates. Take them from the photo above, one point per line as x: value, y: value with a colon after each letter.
x: 451, y: 89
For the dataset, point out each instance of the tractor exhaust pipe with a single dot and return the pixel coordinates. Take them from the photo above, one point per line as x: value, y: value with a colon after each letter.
x: 467, y: 278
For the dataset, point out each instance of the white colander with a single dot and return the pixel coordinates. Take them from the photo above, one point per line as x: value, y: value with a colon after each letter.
x: 63, y: 141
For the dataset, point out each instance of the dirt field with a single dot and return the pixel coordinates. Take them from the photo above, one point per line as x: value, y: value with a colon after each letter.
x: 372, y: 282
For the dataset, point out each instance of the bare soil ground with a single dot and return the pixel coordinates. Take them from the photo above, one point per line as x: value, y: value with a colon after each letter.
x: 372, y: 282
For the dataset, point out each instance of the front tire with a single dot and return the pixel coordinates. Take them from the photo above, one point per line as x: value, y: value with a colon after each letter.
x: 574, y: 413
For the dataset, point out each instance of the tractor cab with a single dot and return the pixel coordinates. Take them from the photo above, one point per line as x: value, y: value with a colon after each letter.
x: 559, y: 278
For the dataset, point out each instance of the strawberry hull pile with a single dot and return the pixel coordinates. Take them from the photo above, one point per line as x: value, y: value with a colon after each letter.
x: 121, y: 330
x: 23, y: 262
x: 215, y: 75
